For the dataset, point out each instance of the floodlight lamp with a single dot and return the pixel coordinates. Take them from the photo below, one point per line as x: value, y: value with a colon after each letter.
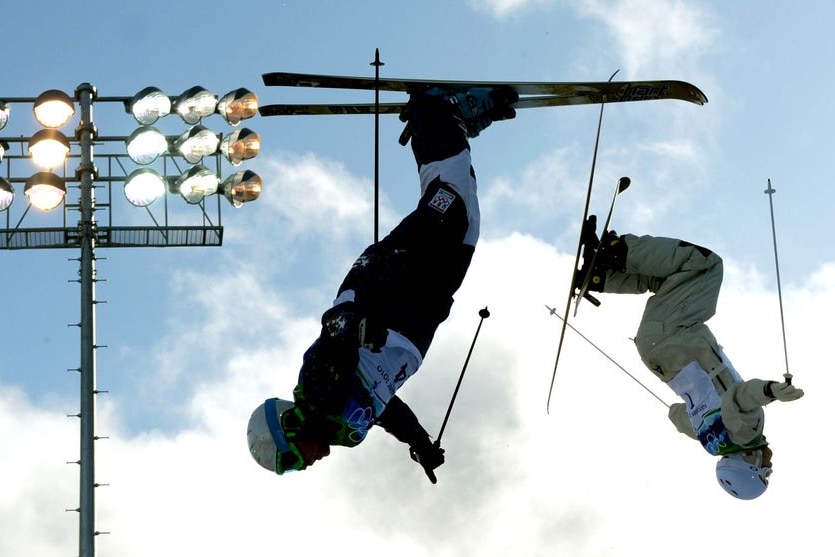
x: 241, y: 187
x: 196, y: 143
x: 53, y: 108
x: 49, y: 149
x: 5, y: 110
x: 3, y: 148
x: 238, y: 105
x: 240, y: 145
x: 145, y: 144
x: 149, y: 105
x: 45, y: 190
x: 194, y: 104
x: 6, y: 194
x: 144, y: 186
x: 196, y: 183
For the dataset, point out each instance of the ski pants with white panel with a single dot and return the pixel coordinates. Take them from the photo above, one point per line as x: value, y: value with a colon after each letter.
x: 406, y: 281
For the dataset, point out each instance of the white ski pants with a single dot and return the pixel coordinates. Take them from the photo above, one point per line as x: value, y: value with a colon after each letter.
x: 685, y: 280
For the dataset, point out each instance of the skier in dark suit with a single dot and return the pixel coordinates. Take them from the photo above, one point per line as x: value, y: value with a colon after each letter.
x: 391, y: 302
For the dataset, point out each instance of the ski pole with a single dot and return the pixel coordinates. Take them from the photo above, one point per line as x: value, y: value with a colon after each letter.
x: 770, y: 191
x: 377, y: 63
x: 484, y: 314
x: 608, y: 357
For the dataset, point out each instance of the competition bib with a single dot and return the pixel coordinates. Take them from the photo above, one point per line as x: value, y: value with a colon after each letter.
x: 384, y: 372
x: 695, y: 387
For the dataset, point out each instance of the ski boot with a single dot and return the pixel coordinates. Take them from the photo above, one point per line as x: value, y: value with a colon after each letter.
x: 599, y: 256
x: 611, y: 255
x: 589, y: 242
x: 481, y: 106
x: 475, y: 108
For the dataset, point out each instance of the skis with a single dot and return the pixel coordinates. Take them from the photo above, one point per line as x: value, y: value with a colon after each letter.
x: 583, y: 292
x: 397, y: 107
x: 588, y: 221
x: 532, y: 94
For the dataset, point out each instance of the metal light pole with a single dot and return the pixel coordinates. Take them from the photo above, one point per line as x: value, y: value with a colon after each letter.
x: 89, y: 234
x: 86, y: 231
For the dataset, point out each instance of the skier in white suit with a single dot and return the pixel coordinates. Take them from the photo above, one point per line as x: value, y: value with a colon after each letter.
x: 719, y: 409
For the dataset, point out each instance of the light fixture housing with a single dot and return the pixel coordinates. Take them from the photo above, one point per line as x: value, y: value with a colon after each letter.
x: 238, y: 105
x: 53, y: 108
x: 149, y: 105
x: 5, y: 110
x: 241, y: 187
x: 194, y: 104
x: 145, y: 144
x: 49, y: 149
x: 3, y: 148
x: 240, y: 145
x: 6, y: 194
x: 143, y: 186
x: 45, y: 190
x: 197, y: 142
x: 196, y: 183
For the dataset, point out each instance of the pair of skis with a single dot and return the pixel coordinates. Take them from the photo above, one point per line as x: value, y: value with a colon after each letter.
x: 531, y: 94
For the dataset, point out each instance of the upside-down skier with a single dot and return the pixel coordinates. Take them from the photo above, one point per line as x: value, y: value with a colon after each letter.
x: 391, y: 302
x: 720, y: 409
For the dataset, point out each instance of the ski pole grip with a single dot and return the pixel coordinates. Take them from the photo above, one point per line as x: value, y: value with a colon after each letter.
x: 406, y: 135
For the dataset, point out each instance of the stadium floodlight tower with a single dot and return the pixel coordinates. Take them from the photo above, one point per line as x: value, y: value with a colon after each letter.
x: 149, y: 165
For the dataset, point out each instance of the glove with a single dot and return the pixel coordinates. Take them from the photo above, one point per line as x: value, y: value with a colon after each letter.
x: 341, y: 324
x: 784, y: 392
x: 429, y: 456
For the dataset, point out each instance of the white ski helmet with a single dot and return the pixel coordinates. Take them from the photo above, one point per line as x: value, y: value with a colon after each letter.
x: 742, y: 478
x: 268, y: 443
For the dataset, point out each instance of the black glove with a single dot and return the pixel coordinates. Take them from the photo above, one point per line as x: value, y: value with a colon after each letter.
x: 345, y: 325
x: 429, y: 456
x: 340, y: 324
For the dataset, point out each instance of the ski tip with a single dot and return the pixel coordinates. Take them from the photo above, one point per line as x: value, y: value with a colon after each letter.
x: 698, y: 96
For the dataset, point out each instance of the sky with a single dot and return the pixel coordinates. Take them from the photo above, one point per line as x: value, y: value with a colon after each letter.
x: 195, y: 338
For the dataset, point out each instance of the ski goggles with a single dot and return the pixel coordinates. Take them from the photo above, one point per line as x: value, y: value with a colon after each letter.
x: 288, y: 457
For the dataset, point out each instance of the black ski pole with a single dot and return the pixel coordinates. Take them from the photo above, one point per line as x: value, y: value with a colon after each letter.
x: 377, y: 63
x: 483, y: 313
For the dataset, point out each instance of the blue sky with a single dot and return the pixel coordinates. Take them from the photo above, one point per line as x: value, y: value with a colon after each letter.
x: 197, y: 337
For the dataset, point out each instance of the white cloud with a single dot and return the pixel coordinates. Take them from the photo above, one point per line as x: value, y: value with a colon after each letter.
x: 503, y: 8
x: 38, y: 484
x: 544, y: 193
x: 655, y: 35
x: 516, y: 480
